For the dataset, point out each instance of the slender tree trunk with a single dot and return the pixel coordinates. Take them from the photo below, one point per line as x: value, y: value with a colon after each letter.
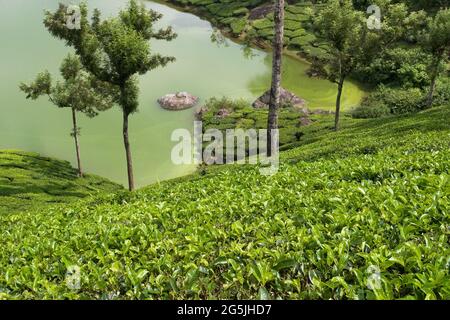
x: 77, y: 145
x: 338, y: 103
x: 433, y: 81
x: 128, y: 152
x: 275, y: 90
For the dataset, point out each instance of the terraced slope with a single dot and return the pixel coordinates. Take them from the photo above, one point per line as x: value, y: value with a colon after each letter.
x: 254, y: 18
x: 359, y: 214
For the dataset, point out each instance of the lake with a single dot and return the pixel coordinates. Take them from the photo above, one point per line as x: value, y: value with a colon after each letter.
x: 203, y: 68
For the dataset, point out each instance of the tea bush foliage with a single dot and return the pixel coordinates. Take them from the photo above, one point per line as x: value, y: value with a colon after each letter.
x: 240, y: 114
x: 374, y: 196
x: 233, y: 16
x: 28, y: 180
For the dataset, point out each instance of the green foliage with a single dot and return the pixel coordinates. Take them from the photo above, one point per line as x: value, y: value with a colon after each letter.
x: 436, y: 40
x: 78, y: 90
x: 350, y: 43
x: 114, y: 50
x: 240, y: 114
x: 436, y: 37
x: 400, y: 66
x: 374, y: 194
x: 368, y: 110
x: 385, y: 100
x: 29, y: 181
x: 238, y: 26
x: 442, y: 95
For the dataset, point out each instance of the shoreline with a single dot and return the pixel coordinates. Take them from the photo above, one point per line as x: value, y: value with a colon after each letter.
x: 254, y: 44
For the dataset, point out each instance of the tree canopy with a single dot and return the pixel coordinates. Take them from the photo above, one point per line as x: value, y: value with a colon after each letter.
x: 115, y: 50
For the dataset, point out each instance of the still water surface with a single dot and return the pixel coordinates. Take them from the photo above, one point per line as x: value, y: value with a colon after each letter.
x: 202, y: 68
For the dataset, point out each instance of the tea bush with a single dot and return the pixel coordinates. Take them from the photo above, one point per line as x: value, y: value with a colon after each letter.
x: 385, y: 100
x: 369, y: 202
x: 240, y: 114
x: 28, y: 180
x: 233, y: 16
x: 371, y: 111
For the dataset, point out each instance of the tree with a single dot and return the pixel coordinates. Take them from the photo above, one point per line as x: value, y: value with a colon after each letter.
x: 115, y: 50
x: 275, y: 90
x: 436, y: 41
x: 343, y: 29
x: 352, y: 43
x: 78, y: 91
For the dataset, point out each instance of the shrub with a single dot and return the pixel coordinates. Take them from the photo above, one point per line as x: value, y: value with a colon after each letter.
x: 240, y: 114
x: 238, y: 25
x: 386, y: 100
x: 370, y: 111
x: 442, y: 94
x: 405, y: 67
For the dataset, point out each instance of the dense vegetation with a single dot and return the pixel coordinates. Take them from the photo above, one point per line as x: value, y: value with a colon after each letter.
x: 223, y: 114
x: 358, y: 214
x: 371, y: 197
x: 30, y: 181
x: 241, y: 19
x: 402, y: 70
x: 114, y: 51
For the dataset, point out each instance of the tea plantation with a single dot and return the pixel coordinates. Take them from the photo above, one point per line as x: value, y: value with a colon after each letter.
x: 28, y: 180
x: 253, y: 19
x: 359, y: 214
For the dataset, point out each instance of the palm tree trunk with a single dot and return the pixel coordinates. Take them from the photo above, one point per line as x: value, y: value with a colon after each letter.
x: 433, y: 81
x: 275, y: 90
x: 128, y: 152
x: 338, y: 103
x: 77, y: 145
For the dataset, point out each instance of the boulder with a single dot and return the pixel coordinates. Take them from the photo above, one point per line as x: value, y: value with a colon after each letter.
x: 178, y: 101
x: 287, y: 97
x: 261, y: 11
x: 223, y: 113
x: 305, y: 121
x: 200, y: 111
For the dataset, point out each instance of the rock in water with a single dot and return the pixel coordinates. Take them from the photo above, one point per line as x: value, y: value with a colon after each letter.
x: 287, y: 98
x: 178, y: 101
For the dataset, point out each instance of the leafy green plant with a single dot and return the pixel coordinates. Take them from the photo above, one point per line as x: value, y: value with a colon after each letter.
x: 366, y: 111
x: 374, y: 194
x: 115, y: 50
x: 385, y: 100
x: 28, y: 180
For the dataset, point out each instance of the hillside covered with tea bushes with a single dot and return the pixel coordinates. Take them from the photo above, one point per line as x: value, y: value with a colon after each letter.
x: 358, y: 214
x: 28, y: 180
x: 253, y: 19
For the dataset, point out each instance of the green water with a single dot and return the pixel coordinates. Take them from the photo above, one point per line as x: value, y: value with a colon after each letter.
x: 202, y: 68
